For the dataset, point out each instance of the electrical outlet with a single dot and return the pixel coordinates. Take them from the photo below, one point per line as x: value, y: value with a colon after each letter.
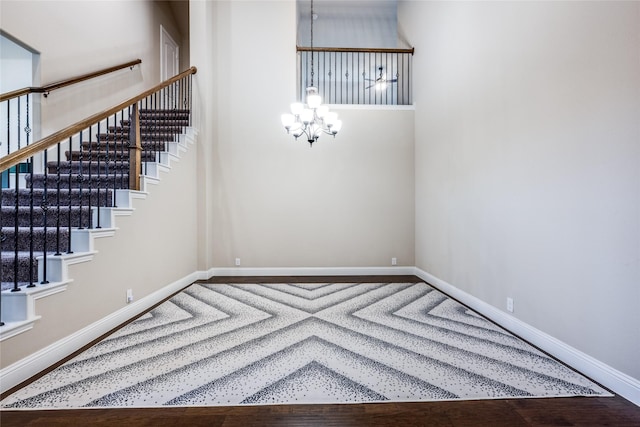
x: 237, y: 262
x: 129, y: 295
x: 394, y: 261
x: 510, y: 304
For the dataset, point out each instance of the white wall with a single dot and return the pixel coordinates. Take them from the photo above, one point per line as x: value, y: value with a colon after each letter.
x: 16, y: 65
x: 275, y: 202
x: 528, y: 162
x: 352, y: 23
x: 75, y: 38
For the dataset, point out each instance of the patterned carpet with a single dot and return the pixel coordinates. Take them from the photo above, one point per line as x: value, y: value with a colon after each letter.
x: 303, y: 343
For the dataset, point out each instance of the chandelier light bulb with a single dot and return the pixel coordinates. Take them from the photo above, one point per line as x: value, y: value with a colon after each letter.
x: 287, y: 121
x: 336, y: 127
x: 313, y: 99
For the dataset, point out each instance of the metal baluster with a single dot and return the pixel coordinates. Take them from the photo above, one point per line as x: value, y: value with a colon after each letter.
x: 70, y: 171
x: 368, y: 91
x: 16, y: 288
x: 80, y: 179
x: 352, y: 79
x: 150, y: 131
x: 27, y: 131
x: 339, y: 79
x: 99, y: 178
x: 90, y: 173
x: 45, y: 208
x: 16, y: 228
x: 358, y: 84
x: 124, y: 148
x: 107, y: 160
x: 58, y: 179
x: 129, y: 115
x: 117, y: 161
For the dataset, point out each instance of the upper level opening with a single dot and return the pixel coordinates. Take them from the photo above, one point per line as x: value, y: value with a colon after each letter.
x: 357, y: 56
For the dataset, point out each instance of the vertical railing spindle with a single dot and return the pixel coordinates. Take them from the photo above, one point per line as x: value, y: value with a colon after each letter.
x: 58, y: 179
x: 134, y: 149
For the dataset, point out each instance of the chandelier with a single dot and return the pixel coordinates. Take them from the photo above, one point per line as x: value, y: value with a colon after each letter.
x: 311, y: 119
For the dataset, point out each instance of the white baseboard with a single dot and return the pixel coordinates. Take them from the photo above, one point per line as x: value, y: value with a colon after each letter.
x: 35, y: 363
x: 312, y: 271
x: 619, y: 382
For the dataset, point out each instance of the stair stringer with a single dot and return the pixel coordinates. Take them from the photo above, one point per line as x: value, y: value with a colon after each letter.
x: 19, y: 308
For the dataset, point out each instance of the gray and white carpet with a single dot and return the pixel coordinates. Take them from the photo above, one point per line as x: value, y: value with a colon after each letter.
x: 303, y: 343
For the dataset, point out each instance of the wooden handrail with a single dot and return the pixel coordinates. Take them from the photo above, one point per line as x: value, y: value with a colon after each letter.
x: 49, y: 141
x: 53, y: 86
x: 353, y: 49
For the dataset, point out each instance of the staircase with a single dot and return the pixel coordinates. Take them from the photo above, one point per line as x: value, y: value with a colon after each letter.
x: 38, y: 220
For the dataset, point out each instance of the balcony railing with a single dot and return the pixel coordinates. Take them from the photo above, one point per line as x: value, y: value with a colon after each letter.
x: 356, y: 76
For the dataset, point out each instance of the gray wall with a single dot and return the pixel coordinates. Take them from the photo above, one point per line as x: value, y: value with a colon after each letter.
x: 528, y: 162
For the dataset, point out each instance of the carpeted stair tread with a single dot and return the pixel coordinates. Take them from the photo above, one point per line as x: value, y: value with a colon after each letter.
x: 160, y: 112
x: 151, y: 122
x: 52, y: 237
x: 75, y: 196
x: 146, y: 128
x: 24, y: 260
x: 122, y: 144
x: 156, y: 137
x: 85, y: 166
x: 103, y: 155
x: 77, y: 181
x: 80, y: 216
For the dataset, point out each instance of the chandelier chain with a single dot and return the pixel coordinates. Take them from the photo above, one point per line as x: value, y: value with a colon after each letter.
x: 312, y: 43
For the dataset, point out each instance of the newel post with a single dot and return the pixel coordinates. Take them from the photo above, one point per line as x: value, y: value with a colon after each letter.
x: 135, y: 149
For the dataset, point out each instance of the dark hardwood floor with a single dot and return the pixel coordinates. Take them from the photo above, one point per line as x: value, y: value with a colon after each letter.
x: 574, y: 411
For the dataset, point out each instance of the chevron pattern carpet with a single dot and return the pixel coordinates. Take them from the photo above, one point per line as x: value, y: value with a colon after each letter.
x: 235, y: 344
